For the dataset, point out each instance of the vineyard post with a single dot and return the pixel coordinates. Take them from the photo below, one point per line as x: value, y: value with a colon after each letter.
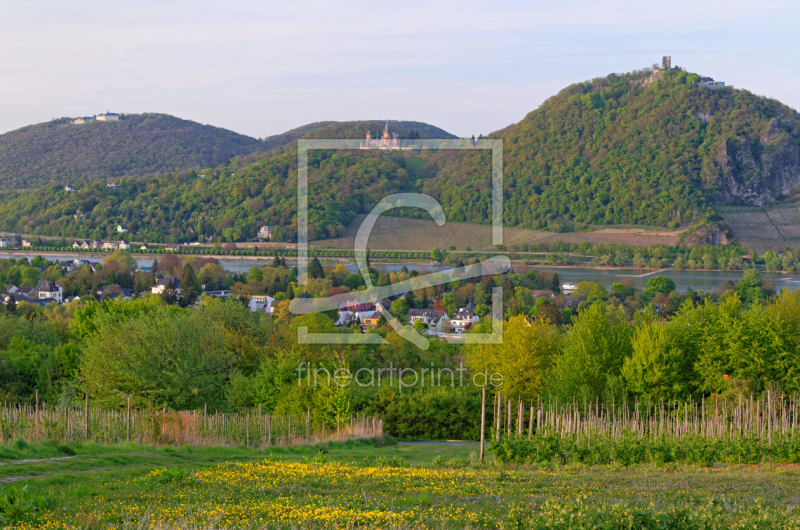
x: 499, y: 413
x: 769, y: 425
x: 36, y: 414
x: 338, y: 425
x: 308, y: 422
x: 483, y: 418
x: 247, y: 428
x: 129, y: 418
x: 87, y: 416
x: 289, y: 436
x: 530, y: 423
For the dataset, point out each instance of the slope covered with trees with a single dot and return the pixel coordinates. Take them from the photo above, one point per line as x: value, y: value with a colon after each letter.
x: 138, y: 144
x: 642, y: 148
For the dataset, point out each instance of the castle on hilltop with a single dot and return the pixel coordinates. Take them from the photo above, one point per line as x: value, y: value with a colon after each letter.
x: 108, y: 116
x: 386, y: 142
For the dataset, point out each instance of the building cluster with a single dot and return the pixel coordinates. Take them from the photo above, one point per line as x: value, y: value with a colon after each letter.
x: 43, y: 293
x: 108, y: 116
x: 96, y: 244
x: 709, y: 82
x: 387, y: 142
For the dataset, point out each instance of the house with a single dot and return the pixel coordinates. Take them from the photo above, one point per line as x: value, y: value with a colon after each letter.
x: 84, y: 119
x: 709, y: 82
x: 110, y: 245
x: 372, y: 320
x: 433, y: 318
x: 223, y: 294
x: 69, y: 188
x: 124, y: 245
x: 112, y: 185
x: 24, y: 291
x: 11, y: 289
x: 145, y: 247
x: 77, y: 244
x: 26, y: 244
x: 108, y: 116
x: 95, y: 244
x: 70, y: 299
x: 463, y: 320
x: 5, y: 242
x: 86, y: 245
x: 161, y: 285
x: 113, y: 292
x: 265, y: 232
x: 121, y: 229
x: 80, y: 215
x: 172, y: 247
x: 19, y: 298
x: 260, y: 302
x: 543, y: 293
x: 48, y: 290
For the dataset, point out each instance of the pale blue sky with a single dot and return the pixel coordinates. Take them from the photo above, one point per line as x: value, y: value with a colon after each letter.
x: 261, y: 68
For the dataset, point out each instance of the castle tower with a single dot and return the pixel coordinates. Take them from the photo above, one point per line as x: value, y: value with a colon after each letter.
x: 666, y: 62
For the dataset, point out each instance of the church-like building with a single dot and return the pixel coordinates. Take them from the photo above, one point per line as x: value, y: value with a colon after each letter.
x: 387, y: 142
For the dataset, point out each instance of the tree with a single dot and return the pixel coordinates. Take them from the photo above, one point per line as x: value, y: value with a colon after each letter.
x: 153, y: 272
x: 179, y: 360
x: 596, y: 346
x: 659, y: 284
x: 586, y: 290
x: 11, y: 304
x: 315, y: 269
x: 524, y: 359
x: 399, y: 308
x: 168, y: 294
x: 437, y: 254
x: 276, y: 261
x: 555, y: 283
x: 639, y: 261
x: 190, y: 290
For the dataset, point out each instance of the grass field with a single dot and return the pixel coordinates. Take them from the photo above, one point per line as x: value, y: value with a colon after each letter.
x: 764, y: 228
x: 361, y: 485
x: 395, y: 233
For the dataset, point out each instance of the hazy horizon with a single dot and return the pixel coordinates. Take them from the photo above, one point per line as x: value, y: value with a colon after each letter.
x: 469, y: 68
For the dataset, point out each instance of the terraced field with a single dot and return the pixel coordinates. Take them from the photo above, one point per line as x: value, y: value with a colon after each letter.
x: 395, y: 233
x: 764, y: 228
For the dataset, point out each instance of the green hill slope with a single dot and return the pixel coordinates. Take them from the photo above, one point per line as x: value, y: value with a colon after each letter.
x: 639, y: 149
x: 138, y: 144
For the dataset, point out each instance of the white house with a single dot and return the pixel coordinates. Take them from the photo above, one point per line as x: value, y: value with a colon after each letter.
x: 110, y: 245
x: 108, y: 116
x: 5, y: 242
x: 124, y: 245
x: 49, y: 290
x: 69, y: 188
x: 121, y: 229
x: 261, y: 303
x: 265, y: 232
x: 463, y: 320
x: 434, y: 319
x: 159, y: 287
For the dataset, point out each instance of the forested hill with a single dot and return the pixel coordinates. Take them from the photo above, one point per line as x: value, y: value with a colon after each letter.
x: 139, y: 144
x: 647, y: 148
x: 640, y: 148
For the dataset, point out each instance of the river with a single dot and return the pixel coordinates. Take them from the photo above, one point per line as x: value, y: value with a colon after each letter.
x: 697, y: 280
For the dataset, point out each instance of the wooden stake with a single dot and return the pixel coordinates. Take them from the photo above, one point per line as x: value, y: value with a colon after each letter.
x: 483, y: 419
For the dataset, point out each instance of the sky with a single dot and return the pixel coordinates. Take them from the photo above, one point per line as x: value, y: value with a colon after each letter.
x: 264, y: 67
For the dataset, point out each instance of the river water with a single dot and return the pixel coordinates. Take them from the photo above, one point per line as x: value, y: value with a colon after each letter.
x: 697, y: 280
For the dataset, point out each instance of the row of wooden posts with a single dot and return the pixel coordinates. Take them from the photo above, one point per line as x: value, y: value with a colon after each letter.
x: 35, y: 422
x: 729, y: 418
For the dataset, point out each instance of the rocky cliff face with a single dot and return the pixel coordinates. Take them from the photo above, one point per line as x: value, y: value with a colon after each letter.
x: 757, y: 171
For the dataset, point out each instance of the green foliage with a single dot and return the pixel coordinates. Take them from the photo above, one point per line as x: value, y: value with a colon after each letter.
x: 632, y: 155
x: 179, y: 360
x: 594, y: 351
x: 659, y: 284
x: 137, y: 145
